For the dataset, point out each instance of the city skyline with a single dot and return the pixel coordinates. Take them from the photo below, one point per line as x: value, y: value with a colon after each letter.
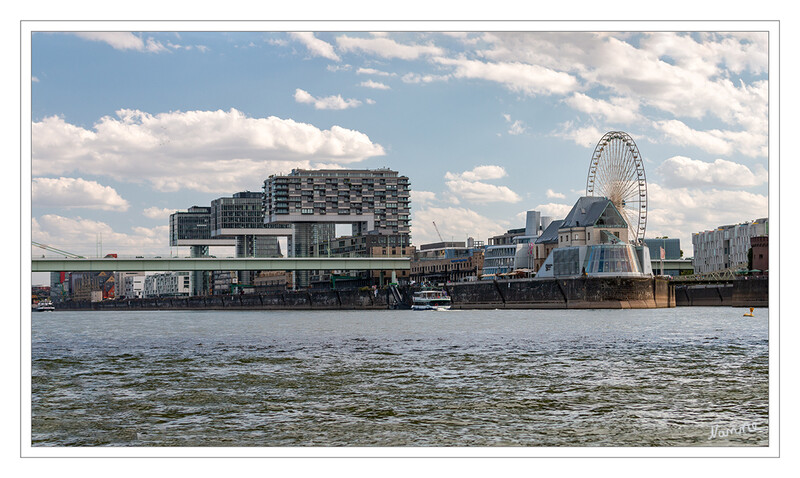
x: 129, y: 127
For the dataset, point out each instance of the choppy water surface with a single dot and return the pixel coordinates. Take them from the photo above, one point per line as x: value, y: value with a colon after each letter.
x: 399, y: 378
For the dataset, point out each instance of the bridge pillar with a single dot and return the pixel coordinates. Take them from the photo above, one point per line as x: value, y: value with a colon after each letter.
x: 199, y: 278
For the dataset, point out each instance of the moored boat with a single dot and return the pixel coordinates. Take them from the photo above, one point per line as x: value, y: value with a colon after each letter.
x: 45, y: 306
x: 431, y: 300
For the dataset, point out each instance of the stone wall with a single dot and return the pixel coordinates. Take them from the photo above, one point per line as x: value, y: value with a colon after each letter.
x: 750, y: 292
x: 577, y: 293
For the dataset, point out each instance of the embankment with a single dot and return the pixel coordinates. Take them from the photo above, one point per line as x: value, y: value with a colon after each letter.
x: 576, y: 293
x: 751, y: 292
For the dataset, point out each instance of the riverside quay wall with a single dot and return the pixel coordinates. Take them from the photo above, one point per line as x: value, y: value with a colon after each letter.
x: 576, y: 293
x: 750, y: 292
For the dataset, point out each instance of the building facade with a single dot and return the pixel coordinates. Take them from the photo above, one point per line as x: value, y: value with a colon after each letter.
x: 444, y: 262
x: 167, y: 284
x: 760, y: 247
x: 516, y: 250
x: 372, y: 202
x: 593, y: 242
x: 367, y: 245
x: 369, y: 199
x: 726, y: 247
x: 133, y: 286
x: 193, y: 224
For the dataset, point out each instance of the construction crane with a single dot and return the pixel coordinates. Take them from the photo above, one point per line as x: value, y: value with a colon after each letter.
x: 57, y: 251
x: 437, y: 231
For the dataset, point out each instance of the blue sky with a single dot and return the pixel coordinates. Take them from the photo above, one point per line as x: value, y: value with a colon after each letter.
x: 130, y: 126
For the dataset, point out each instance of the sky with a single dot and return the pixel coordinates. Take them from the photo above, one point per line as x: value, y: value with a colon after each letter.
x: 128, y: 127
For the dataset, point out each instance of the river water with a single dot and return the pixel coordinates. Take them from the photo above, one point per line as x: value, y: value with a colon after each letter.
x: 662, y: 377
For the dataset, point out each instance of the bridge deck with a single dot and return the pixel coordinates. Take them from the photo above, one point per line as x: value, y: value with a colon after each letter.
x: 216, y: 264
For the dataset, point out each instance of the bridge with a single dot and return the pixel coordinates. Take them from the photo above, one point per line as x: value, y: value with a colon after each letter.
x: 141, y: 264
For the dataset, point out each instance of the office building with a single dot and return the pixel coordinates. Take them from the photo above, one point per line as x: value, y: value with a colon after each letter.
x: 313, y: 201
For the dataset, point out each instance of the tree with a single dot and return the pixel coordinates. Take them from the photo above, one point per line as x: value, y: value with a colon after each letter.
x: 750, y: 259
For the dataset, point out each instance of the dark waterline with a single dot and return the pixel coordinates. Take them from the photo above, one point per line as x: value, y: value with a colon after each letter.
x: 659, y: 377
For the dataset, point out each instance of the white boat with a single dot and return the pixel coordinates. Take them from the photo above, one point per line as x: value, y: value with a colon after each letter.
x: 45, y: 306
x: 431, y: 300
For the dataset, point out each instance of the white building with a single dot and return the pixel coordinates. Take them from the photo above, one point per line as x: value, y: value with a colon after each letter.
x: 168, y: 284
x: 131, y: 286
x: 514, y: 249
x: 726, y: 247
x: 593, y: 242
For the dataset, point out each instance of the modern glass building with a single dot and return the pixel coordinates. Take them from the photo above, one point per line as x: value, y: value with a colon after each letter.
x: 372, y: 201
x: 672, y: 248
x: 194, y: 224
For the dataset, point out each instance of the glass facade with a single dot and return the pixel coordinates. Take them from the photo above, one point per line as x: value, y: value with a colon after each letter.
x: 192, y: 224
x: 611, y: 259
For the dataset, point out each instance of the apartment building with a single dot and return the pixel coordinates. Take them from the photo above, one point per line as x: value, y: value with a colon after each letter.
x: 726, y: 246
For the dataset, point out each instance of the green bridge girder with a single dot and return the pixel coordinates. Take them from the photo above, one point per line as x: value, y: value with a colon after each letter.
x: 170, y: 264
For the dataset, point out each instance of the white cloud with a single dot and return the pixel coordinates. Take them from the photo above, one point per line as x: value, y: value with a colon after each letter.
x: 555, y: 210
x: 316, y: 46
x: 554, y: 195
x: 124, y: 41
x: 214, y: 151
x: 79, y: 236
x: 34, y: 79
x: 374, y: 84
x: 422, y: 197
x: 415, y: 78
x: 519, y: 77
x: 468, y: 185
x: 327, y: 103
x: 386, y: 48
x: 676, y: 73
x: 587, y: 136
x: 463, y: 37
x: 679, y: 212
x: 617, y: 110
x: 481, y: 192
x: 479, y: 173
x: 681, y: 171
x: 75, y: 193
x: 715, y: 141
x: 158, y: 213
x: 454, y: 223
x: 517, y: 126
x: 373, y: 71
x: 277, y: 41
x: 335, y: 68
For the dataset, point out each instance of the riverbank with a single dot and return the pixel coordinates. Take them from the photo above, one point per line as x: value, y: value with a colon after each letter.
x: 575, y: 293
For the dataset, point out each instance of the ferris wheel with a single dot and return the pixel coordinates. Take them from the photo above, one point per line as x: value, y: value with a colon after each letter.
x: 617, y: 172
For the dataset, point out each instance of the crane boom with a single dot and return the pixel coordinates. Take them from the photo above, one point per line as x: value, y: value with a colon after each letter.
x: 437, y: 231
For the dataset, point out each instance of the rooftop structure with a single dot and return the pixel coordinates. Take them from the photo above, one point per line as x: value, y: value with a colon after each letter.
x: 593, y: 220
